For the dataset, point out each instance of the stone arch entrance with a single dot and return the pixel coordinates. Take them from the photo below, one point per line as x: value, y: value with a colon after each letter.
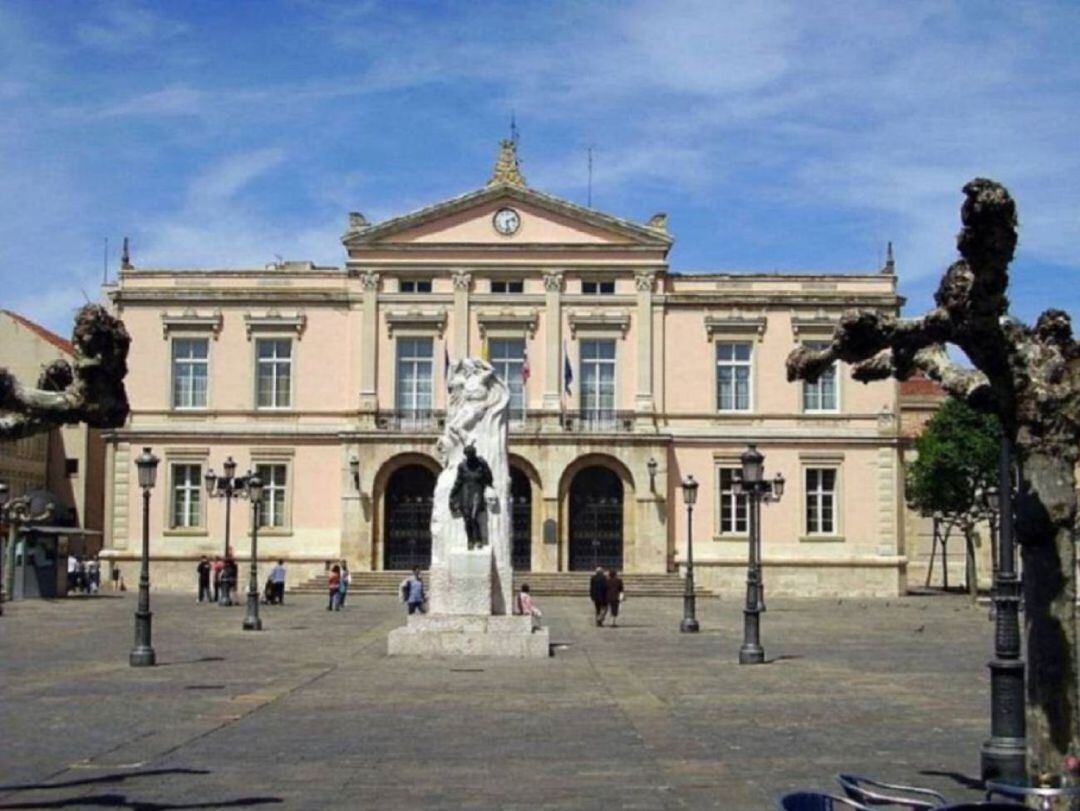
x: 596, y: 519
x: 520, y: 520
x: 407, y: 503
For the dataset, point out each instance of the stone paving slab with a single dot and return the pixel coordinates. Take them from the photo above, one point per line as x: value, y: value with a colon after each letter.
x: 311, y: 713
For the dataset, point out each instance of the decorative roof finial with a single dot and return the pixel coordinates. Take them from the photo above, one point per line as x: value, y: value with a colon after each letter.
x: 125, y: 256
x: 506, y: 165
x: 890, y: 264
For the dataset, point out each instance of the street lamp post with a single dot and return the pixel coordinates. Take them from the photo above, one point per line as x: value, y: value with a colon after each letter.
x: 142, y: 655
x: 251, y: 618
x: 689, y: 622
x: 1003, y: 755
x: 228, y: 487
x: 752, y: 483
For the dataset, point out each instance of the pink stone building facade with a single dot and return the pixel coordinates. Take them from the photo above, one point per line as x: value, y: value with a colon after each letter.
x: 330, y: 382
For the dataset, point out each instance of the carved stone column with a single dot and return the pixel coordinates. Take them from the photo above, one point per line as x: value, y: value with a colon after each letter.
x: 462, y: 283
x: 643, y: 400
x: 553, y: 282
x: 369, y: 343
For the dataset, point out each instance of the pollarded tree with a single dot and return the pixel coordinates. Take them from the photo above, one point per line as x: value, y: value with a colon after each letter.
x: 1030, y: 378
x: 957, y: 462
x: 90, y: 391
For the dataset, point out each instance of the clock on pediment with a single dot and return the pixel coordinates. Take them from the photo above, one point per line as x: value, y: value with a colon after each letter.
x: 506, y: 221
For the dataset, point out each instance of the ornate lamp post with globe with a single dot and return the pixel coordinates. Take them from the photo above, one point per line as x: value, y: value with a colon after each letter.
x: 142, y: 655
x: 752, y: 483
x: 228, y: 487
x: 251, y: 618
x: 689, y: 622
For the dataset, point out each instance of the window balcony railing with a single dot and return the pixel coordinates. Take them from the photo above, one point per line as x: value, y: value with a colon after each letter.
x: 599, y: 421
x: 411, y: 420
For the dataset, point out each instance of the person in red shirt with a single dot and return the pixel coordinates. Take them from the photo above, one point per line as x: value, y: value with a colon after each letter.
x: 334, y: 585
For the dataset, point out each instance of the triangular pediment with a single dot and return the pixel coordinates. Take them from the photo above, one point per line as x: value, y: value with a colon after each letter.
x: 545, y: 220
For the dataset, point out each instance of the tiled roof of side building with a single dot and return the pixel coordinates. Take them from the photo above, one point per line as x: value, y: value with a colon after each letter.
x: 921, y: 387
x: 62, y: 344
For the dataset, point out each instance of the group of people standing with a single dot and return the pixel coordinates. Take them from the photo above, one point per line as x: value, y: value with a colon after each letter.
x: 222, y: 575
x: 83, y: 576
x: 338, y: 583
x: 607, y: 592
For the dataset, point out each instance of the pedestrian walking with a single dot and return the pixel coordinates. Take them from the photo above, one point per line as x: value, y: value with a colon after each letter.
x: 527, y: 607
x: 93, y: 574
x: 346, y: 581
x: 277, y: 577
x: 334, y: 585
x: 72, y: 569
x: 598, y: 594
x: 412, y: 592
x: 615, y: 595
x: 202, y: 572
x: 217, y: 568
x: 230, y: 572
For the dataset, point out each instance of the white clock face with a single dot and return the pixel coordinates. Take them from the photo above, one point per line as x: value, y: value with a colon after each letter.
x: 506, y: 221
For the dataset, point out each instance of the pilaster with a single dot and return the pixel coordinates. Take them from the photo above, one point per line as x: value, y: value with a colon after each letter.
x: 643, y: 398
x: 462, y: 283
x: 553, y: 283
x: 369, y: 343
x: 121, y: 499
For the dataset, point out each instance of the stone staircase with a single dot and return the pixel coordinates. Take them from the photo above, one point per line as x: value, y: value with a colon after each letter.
x: 542, y: 584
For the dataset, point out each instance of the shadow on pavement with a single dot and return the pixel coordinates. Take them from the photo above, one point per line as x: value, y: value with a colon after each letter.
x: 118, y: 777
x: 962, y: 779
x: 121, y: 801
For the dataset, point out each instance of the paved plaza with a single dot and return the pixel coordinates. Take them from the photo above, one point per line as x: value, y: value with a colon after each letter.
x: 311, y: 713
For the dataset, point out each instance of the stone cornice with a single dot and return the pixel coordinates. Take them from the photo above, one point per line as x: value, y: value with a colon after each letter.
x: 785, y: 298
x: 735, y: 322
x: 815, y: 325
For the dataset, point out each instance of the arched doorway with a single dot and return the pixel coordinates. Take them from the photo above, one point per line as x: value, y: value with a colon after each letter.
x: 409, y: 496
x: 596, y: 519
x: 520, y: 521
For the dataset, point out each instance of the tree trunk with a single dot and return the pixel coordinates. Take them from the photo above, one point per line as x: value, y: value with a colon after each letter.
x: 972, y: 571
x: 1046, y: 529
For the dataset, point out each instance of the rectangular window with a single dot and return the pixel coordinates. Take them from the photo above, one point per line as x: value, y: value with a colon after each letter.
x: 821, y: 395
x: 733, y: 506
x: 598, y: 381
x: 499, y: 286
x: 189, y: 372
x: 508, y: 358
x: 186, y: 496
x: 597, y: 288
x: 415, y: 285
x: 273, y: 372
x: 733, y: 367
x: 274, y: 481
x: 413, y: 386
x: 820, y: 501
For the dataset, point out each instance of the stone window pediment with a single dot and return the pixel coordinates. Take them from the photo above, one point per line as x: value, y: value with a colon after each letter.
x: 417, y: 319
x: 191, y: 321
x: 599, y: 321
x: 735, y: 324
x: 508, y: 321
x: 273, y: 321
x: 813, y: 326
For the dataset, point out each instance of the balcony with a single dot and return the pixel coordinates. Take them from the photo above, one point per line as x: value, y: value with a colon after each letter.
x: 599, y: 421
x: 413, y: 421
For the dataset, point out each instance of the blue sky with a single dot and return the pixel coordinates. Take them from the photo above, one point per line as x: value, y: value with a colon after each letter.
x: 777, y: 136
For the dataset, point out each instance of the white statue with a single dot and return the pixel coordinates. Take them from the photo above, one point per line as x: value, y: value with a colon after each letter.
x: 476, y: 416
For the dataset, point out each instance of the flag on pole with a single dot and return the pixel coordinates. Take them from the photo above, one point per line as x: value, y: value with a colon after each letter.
x: 525, y: 371
x: 485, y: 351
x: 446, y: 366
x: 568, y: 370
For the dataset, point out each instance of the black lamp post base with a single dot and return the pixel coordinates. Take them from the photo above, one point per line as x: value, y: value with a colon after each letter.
x: 252, y: 624
x: 252, y: 621
x: 142, y: 656
x: 1004, y: 759
x: 751, y: 655
x: 689, y: 625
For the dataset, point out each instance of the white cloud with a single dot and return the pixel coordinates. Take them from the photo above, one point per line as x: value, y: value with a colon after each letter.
x: 127, y: 26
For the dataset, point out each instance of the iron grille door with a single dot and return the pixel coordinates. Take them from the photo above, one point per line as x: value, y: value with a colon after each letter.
x: 408, y: 532
x: 596, y: 536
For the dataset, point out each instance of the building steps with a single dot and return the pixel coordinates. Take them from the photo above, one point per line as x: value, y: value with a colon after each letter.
x: 542, y: 584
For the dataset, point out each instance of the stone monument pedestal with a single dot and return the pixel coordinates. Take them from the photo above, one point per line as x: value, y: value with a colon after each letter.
x: 435, y: 635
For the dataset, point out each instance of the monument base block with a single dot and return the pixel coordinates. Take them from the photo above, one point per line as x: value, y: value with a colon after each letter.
x: 434, y: 635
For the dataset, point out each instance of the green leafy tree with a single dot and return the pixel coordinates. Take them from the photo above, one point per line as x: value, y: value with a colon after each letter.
x: 957, y: 462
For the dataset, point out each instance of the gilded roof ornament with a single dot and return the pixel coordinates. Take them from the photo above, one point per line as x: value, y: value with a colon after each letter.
x: 506, y: 166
